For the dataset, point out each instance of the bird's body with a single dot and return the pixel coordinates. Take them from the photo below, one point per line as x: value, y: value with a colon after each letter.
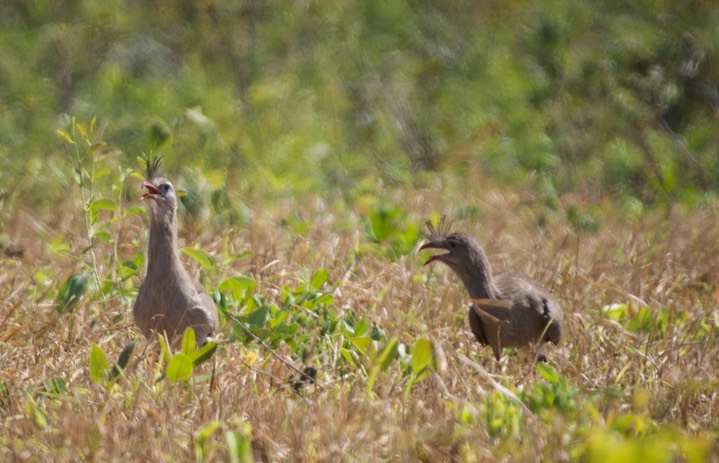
x: 507, y: 310
x: 170, y: 300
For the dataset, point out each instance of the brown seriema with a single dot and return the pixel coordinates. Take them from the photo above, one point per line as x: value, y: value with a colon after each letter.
x: 169, y: 300
x: 509, y: 309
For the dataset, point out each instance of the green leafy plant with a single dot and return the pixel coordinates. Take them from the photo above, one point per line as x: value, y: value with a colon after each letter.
x: 652, y: 446
x: 100, y: 370
x: 99, y: 364
x: 238, y: 440
x: 70, y: 292
x: 421, y: 362
x: 643, y: 319
x: 389, y: 226
x: 180, y: 365
x: 500, y: 416
x: 85, y: 150
x: 101, y: 183
x: 556, y: 393
x: 293, y: 320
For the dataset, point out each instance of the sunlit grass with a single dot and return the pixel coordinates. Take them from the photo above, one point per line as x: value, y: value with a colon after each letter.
x: 338, y: 287
x: 576, y: 141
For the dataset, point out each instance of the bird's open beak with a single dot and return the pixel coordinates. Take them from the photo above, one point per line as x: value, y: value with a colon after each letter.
x: 152, y: 190
x: 433, y: 245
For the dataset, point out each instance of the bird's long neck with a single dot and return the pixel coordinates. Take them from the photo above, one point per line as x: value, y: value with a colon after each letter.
x: 162, y: 250
x: 476, y: 275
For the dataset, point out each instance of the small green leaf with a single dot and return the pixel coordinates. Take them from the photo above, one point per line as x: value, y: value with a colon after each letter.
x: 99, y: 364
x: 421, y: 355
x: 363, y: 344
x: 361, y: 327
x: 179, y: 369
x: 663, y: 317
x: 99, y: 173
x: 326, y: 299
x: 382, y: 220
x: 388, y: 354
x: 57, y: 385
x: 614, y: 311
x: 350, y: 357
x: 641, y: 321
x: 130, y: 268
x: 547, y: 372
x: 208, y: 431
x: 188, y: 341
x: 135, y: 175
x: 238, y: 286
x: 122, y: 361
x: 239, y: 448
x: 201, y: 451
x: 103, y: 204
x: 201, y: 257
x: 232, y: 446
x: 383, y: 362
x: 81, y: 129
x: 58, y: 245
x: 71, y: 291
x: 319, y: 279
x: 103, y: 235
x: 65, y: 136
x: 258, y: 317
x: 94, y: 148
x: 38, y: 414
x: 203, y: 354
x: 468, y: 414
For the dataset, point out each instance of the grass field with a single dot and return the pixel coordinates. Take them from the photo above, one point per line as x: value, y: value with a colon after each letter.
x: 338, y: 286
x: 577, y: 141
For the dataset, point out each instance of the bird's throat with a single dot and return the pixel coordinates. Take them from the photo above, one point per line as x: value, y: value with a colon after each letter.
x: 162, y: 248
x: 478, y: 282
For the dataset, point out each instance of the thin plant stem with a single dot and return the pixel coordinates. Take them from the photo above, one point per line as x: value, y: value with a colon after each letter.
x: 86, y: 212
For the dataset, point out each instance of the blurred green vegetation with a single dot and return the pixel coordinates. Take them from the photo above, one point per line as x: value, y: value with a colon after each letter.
x: 273, y: 99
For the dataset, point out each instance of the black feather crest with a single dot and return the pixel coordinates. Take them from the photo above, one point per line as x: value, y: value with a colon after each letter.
x: 152, y: 166
x: 441, y: 229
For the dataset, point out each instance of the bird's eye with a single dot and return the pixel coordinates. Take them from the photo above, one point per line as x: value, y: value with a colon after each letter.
x: 452, y: 244
x: 165, y: 187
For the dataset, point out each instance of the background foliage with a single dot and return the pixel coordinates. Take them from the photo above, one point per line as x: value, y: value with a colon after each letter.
x: 314, y: 96
x: 578, y: 139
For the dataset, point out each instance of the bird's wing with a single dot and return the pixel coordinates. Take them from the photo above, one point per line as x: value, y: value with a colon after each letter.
x: 530, y: 297
x: 492, y: 310
x: 486, y: 304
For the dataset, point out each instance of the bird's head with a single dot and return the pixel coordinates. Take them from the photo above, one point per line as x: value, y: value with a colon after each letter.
x: 459, y: 249
x: 161, y: 195
x: 462, y: 254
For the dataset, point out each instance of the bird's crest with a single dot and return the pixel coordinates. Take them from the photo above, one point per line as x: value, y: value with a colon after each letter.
x: 152, y: 166
x: 441, y: 229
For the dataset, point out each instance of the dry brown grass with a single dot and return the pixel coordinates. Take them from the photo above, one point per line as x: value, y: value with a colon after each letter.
x: 666, y: 260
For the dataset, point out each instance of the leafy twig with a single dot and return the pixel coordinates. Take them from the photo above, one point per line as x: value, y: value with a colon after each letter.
x: 277, y: 380
x: 86, y: 211
x: 265, y: 346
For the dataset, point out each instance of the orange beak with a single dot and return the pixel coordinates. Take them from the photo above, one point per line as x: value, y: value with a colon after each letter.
x: 152, y: 190
x: 431, y: 245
